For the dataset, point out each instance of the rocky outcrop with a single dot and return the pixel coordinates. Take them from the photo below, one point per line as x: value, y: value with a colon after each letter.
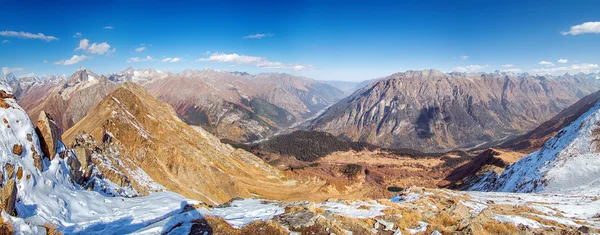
x: 8, y: 197
x: 433, y: 111
x: 49, y: 135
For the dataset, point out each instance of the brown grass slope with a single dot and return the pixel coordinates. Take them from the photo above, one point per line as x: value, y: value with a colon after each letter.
x: 187, y: 159
x: 183, y: 159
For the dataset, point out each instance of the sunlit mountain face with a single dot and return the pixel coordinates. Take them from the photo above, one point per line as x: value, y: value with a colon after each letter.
x: 305, y: 117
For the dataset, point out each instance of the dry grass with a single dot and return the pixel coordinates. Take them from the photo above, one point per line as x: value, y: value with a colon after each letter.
x: 442, y: 222
x: 263, y: 228
x: 51, y: 230
x: 5, y: 228
x: 495, y: 227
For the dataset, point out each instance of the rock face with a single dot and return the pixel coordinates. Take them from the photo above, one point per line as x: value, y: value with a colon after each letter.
x: 240, y: 106
x: 8, y: 195
x: 567, y: 163
x: 432, y: 111
x: 146, y: 136
x: 49, y: 135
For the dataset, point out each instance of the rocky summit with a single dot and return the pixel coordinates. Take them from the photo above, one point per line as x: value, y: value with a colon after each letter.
x: 432, y: 111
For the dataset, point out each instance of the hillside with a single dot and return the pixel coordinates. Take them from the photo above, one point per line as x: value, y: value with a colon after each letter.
x: 242, y: 107
x: 179, y: 157
x: 433, y: 111
x: 536, y: 138
x: 567, y: 163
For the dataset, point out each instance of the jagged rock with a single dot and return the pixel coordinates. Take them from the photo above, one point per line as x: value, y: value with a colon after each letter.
x: 49, y: 134
x: 19, y: 173
x: 18, y: 149
x: 10, y: 170
x: 83, y: 156
x: 8, y: 195
x: 37, y: 159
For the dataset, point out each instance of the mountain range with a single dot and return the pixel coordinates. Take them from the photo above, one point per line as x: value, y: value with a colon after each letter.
x: 235, y: 106
x: 132, y: 164
x: 432, y: 111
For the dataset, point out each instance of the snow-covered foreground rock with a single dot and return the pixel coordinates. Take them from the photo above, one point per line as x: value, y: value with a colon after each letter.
x: 569, y: 163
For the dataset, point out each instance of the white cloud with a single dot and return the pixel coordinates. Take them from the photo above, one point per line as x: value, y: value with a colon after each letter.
x: 574, y: 68
x: 512, y: 70
x: 45, y: 61
x: 108, y: 27
x: 470, y: 68
x: 5, y: 41
x: 251, y: 60
x: 27, y: 35
x: 141, y: 48
x: 172, y: 60
x: 74, y: 60
x: 7, y: 70
x: 94, y: 48
x: 138, y: 59
x: 464, y: 57
x: 563, y: 61
x: 206, y: 53
x: 77, y: 35
x: 258, y: 36
x: 508, y: 65
x: 28, y: 75
x: 546, y: 63
x: 587, y: 27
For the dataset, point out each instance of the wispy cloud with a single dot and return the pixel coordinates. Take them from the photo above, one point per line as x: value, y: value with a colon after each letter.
x: 45, y: 61
x: 546, y: 63
x: 512, y: 70
x: 260, y: 62
x: 77, y: 35
x: 5, y: 41
x: 28, y: 75
x: 172, y: 60
x: 464, y: 57
x: 258, y: 36
x: 26, y: 35
x: 470, y: 68
x: 7, y: 70
x: 108, y: 27
x: 587, y: 27
x: 574, y: 68
x: 138, y: 59
x: 508, y: 65
x: 95, y: 48
x: 141, y: 48
x: 563, y: 61
x: 74, y: 60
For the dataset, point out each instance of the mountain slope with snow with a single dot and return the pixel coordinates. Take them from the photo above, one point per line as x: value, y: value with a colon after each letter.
x: 567, y: 163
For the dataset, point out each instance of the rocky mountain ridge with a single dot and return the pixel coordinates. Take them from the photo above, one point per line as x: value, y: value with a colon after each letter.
x: 433, y: 111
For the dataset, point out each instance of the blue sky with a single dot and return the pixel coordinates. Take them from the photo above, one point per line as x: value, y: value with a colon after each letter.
x: 327, y: 40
